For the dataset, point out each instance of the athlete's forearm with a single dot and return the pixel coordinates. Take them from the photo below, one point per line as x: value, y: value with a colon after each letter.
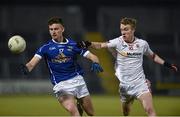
x: 32, y: 63
x: 29, y: 66
x: 98, y: 45
x: 158, y: 59
x: 92, y: 57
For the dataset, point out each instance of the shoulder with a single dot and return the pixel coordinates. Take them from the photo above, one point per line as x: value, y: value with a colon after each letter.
x: 115, y: 40
x: 118, y: 38
x: 46, y: 45
x: 141, y: 41
x: 71, y: 42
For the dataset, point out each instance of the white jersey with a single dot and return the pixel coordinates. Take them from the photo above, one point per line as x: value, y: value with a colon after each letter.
x: 129, y: 69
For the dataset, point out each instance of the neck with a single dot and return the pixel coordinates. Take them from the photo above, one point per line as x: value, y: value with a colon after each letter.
x: 61, y: 39
x: 131, y: 41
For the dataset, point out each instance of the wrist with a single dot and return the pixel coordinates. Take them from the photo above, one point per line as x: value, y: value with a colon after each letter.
x: 167, y: 64
x: 88, y: 43
x: 24, y: 69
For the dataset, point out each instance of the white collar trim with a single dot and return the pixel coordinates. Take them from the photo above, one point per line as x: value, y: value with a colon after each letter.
x: 61, y: 42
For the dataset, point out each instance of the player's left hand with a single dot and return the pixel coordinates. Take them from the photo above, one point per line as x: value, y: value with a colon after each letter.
x: 174, y: 67
x: 95, y: 67
x: 171, y: 66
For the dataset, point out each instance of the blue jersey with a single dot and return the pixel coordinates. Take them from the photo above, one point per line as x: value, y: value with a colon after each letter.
x: 61, y: 59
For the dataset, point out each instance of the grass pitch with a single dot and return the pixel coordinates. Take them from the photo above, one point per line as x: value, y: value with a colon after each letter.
x: 44, y: 105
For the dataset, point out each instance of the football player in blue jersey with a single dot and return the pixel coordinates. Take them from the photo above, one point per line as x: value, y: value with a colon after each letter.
x: 66, y: 75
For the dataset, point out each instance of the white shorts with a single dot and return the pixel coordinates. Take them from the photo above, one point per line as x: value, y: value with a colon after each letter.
x: 75, y: 86
x: 130, y: 92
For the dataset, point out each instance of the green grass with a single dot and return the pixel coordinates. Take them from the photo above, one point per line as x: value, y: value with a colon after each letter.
x: 43, y: 105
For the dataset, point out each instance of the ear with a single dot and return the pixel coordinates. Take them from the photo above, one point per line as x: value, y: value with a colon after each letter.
x: 133, y: 30
x: 63, y: 29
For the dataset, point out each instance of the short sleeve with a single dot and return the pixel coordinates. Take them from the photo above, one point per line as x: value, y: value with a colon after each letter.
x: 147, y: 50
x: 40, y: 52
x: 113, y: 43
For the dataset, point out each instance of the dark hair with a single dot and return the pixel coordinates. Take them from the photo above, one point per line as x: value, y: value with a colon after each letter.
x: 55, y: 20
x: 130, y: 21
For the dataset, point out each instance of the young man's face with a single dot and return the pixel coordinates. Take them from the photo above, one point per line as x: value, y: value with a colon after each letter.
x: 127, y: 32
x: 56, y: 31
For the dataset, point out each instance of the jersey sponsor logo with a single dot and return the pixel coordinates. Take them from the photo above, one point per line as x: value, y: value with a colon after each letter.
x: 61, y: 58
x: 130, y: 54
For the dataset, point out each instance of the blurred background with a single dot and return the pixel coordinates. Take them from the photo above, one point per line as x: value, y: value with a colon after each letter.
x: 158, y: 22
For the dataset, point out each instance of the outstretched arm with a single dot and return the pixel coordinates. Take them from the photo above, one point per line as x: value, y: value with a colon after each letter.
x: 159, y: 60
x: 96, y: 45
x: 32, y: 63
x: 156, y: 59
x: 99, y: 45
x: 26, y: 68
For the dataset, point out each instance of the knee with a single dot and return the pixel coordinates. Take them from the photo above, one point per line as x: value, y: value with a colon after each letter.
x: 71, y: 109
x: 90, y: 113
x: 88, y: 108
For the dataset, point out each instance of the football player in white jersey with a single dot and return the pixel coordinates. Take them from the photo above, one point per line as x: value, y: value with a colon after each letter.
x: 66, y: 75
x: 129, y: 69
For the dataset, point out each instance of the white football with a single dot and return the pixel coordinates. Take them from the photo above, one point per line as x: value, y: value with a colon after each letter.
x: 17, y: 44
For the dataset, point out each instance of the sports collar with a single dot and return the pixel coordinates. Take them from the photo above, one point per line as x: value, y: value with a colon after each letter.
x: 65, y: 41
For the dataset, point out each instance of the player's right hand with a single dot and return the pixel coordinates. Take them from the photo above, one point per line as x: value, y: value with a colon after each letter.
x: 23, y: 69
x: 83, y: 44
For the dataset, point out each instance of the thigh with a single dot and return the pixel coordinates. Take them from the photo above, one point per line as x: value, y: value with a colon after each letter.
x: 87, y: 104
x: 67, y: 101
x: 146, y: 100
x: 126, y: 95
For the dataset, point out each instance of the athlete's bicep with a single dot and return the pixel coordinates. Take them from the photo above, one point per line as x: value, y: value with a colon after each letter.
x: 151, y: 56
x: 112, y: 43
x: 147, y: 50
